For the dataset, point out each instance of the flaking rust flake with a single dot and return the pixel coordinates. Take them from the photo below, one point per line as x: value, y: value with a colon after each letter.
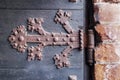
x: 72, y: 39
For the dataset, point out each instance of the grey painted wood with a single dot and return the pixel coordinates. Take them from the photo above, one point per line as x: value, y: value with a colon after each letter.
x: 2, y: 4
x: 14, y: 66
x: 31, y: 74
x: 10, y: 19
x: 41, y: 4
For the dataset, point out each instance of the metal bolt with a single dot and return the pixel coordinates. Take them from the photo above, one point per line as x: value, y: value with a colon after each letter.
x: 72, y: 77
x: 72, y: 39
x: 67, y: 35
x: 54, y: 43
x: 15, y: 45
x: 71, y: 31
x: 55, y: 39
x: 38, y: 39
x: 60, y: 65
x: 64, y: 55
x: 43, y: 44
x: 15, y: 32
x: 64, y: 39
x: 47, y: 39
x: 38, y: 49
x: 71, y: 46
x: 53, y: 34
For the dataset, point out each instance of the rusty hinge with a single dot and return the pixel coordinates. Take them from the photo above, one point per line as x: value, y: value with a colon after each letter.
x: 90, y: 48
x: 72, y: 39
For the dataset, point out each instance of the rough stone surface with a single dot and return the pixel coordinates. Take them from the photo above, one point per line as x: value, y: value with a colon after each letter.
x: 107, y: 72
x: 107, y: 53
x: 99, y: 72
x: 111, y: 1
x: 113, y: 72
x: 107, y: 12
x: 109, y: 32
x: 102, y: 32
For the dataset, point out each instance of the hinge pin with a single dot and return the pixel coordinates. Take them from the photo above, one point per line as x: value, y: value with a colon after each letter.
x: 90, y: 51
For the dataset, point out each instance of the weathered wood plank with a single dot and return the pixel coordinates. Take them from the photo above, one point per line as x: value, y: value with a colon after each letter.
x: 13, y: 65
x: 41, y: 4
x: 43, y: 74
x: 9, y: 19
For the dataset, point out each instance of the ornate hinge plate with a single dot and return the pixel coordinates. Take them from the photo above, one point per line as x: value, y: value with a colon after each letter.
x: 72, y: 39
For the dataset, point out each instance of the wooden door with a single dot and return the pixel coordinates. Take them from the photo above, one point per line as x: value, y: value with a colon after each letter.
x: 18, y: 62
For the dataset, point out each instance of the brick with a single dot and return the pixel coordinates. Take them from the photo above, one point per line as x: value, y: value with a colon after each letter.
x: 111, y: 1
x: 107, y: 13
x: 107, y: 72
x: 101, y: 30
x: 109, y: 32
x: 99, y: 72
x: 107, y: 53
x: 113, y: 72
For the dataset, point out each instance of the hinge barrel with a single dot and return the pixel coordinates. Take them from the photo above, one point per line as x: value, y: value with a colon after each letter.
x: 90, y: 48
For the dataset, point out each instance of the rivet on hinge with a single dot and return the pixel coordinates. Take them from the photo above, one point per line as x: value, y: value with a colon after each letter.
x: 73, y: 0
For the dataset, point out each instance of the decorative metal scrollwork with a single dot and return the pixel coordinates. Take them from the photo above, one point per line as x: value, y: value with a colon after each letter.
x: 73, y: 39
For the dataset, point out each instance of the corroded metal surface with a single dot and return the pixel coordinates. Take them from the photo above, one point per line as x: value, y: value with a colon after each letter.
x: 18, y: 38
x: 90, y: 52
x: 72, y: 39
